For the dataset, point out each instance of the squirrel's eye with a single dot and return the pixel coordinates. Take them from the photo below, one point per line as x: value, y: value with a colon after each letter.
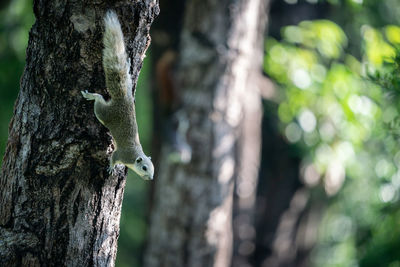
x: 144, y: 168
x: 138, y: 160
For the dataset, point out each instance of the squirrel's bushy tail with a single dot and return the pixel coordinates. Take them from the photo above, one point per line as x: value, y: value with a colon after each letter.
x: 115, y: 61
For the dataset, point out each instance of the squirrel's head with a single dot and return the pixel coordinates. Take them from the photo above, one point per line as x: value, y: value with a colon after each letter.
x: 144, y: 167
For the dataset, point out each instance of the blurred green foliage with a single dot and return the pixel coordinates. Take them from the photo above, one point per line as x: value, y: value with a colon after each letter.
x: 341, y: 109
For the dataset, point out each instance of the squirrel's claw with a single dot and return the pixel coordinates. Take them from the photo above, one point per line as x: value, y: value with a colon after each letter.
x: 111, y: 170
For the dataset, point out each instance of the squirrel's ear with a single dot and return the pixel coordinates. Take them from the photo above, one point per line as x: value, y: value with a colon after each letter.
x: 138, y: 160
x: 149, y: 157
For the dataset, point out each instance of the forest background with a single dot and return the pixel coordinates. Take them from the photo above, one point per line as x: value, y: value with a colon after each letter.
x: 330, y: 129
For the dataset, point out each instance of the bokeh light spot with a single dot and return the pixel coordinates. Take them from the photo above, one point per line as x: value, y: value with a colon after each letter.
x: 307, y: 121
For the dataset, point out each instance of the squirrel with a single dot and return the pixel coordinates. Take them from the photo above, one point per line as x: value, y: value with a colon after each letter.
x: 118, y: 114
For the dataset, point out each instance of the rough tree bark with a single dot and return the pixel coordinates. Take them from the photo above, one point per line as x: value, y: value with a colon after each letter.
x: 58, y: 204
x: 192, y: 212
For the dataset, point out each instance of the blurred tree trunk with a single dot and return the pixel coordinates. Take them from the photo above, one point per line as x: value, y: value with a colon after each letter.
x: 58, y: 204
x: 282, y: 201
x: 288, y: 212
x: 244, y: 206
x: 220, y: 50
x: 165, y: 33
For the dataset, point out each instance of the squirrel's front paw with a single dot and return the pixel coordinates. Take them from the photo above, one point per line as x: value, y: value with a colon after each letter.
x: 87, y: 95
x: 110, y: 170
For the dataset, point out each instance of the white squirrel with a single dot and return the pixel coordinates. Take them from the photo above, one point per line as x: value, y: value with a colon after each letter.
x: 118, y: 114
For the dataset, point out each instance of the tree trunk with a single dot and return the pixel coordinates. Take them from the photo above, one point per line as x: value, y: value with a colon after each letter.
x: 278, y: 184
x: 249, y: 148
x: 288, y: 212
x: 192, y: 211
x: 58, y: 204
